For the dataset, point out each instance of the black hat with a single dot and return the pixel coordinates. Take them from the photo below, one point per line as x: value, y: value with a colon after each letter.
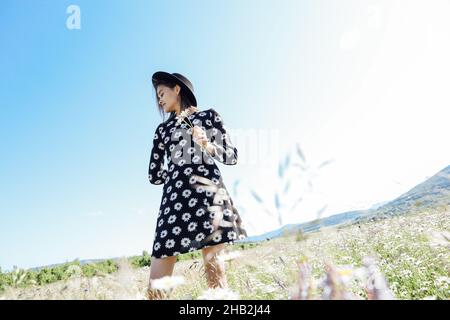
x: 179, y: 79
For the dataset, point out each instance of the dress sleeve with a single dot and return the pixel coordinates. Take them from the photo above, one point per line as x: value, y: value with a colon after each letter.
x: 156, y: 172
x: 225, y: 151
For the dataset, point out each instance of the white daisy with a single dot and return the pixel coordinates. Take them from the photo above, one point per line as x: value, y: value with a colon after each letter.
x: 173, y: 196
x: 231, y: 235
x: 166, y: 210
x: 172, y: 146
x: 187, y: 171
x: 186, y: 193
x: 181, y: 162
x: 172, y: 219
x: 217, y: 237
x: 157, y: 246
x: 195, y: 158
x: 199, y: 189
x: 169, y: 188
x: 192, y: 226
x: 192, y: 179
x: 186, y: 216
x: 190, y: 150
x: 215, y: 180
x: 208, y: 122
x: 227, y: 212
x: 183, y: 142
x: 178, y: 184
x: 160, y: 223
x: 156, y: 156
x: 170, y: 243
x: 199, y: 237
x: 176, y: 230
x: 166, y: 139
x: 192, y: 202
x: 178, y: 154
x: 163, y: 234
x: 175, y: 174
x: 200, y: 212
x: 178, y: 206
x: 216, y: 171
x: 209, y: 193
x: 152, y: 165
x: 185, y: 242
x: 164, y: 200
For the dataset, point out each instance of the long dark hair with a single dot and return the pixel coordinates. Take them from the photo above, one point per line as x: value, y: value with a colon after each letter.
x: 185, y: 101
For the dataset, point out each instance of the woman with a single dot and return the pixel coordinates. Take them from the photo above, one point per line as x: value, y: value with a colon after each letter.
x: 196, y: 211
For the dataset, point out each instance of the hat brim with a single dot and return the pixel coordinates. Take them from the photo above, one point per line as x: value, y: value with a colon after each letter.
x: 162, y: 75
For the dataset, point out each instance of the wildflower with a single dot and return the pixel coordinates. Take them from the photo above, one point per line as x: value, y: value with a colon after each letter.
x: 219, y: 294
x: 167, y: 283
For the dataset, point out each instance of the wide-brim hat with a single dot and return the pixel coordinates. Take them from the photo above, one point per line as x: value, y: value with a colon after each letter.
x: 179, y: 79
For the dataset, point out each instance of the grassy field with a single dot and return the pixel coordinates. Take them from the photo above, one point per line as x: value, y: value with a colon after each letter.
x: 403, y: 257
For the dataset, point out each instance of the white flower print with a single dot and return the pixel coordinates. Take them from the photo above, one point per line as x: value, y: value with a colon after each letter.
x: 217, y: 118
x: 172, y: 219
x: 157, y: 246
x: 172, y: 129
x: 163, y: 234
x: 186, y: 216
x: 181, y: 162
x: 176, y: 253
x: 161, y: 146
x: 156, y: 156
x: 170, y: 243
x: 209, y: 193
x: 172, y: 146
x: 192, y: 179
x: 207, y: 225
x: 231, y: 235
x: 190, y: 150
x: 208, y: 122
x: 164, y: 200
x: 185, y: 242
x: 214, y: 131
x: 178, y: 206
x: 212, y: 214
x: 202, y: 114
x: 156, y: 135
x: 166, y: 210
x: 160, y: 223
x: 152, y: 165
x: 173, y: 196
x: 227, y: 212
x: 177, y: 134
x: 192, y: 249
x: 183, y: 142
x: 199, y: 237
x: 199, y: 189
x: 178, y: 154
x: 233, y: 161
x: 215, y: 180
x: 175, y: 175
x: 210, y: 161
x: 192, y: 202
x: 216, y: 171
x: 192, y: 226
x: 205, y: 201
x: 200, y: 212
x: 217, y: 237
x: 188, y: 171
x: 166, y: 139
x: 178, y: 184
x: 167, y: 179
x: 172, y: 166
x: 169, y: 188
x: 201, y: 168
x: 189, y: 131
x: 206, y: 172
x: 196, y: 121
x: 195, y: 158
x: 176, y: 230
x: 186, y: 193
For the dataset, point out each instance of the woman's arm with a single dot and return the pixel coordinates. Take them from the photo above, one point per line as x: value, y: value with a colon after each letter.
x: 156, y: 172
x: 220, y: 146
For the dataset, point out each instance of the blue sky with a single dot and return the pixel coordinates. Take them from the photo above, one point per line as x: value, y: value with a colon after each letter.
x: 362, y: 83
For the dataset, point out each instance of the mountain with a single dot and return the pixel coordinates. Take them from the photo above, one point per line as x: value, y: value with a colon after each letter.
x: 433, y: 192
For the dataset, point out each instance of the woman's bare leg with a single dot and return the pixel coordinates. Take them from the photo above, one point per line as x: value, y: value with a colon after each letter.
x: 159, y: 268
x: 215, y: 268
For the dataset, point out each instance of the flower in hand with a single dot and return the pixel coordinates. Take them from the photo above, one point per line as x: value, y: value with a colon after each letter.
x: 199, y: 136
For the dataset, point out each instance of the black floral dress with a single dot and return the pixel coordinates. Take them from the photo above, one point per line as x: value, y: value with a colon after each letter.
x: 196, y: 210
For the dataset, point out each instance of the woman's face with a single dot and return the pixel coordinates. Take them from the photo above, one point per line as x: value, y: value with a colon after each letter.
x: 168, y: 98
